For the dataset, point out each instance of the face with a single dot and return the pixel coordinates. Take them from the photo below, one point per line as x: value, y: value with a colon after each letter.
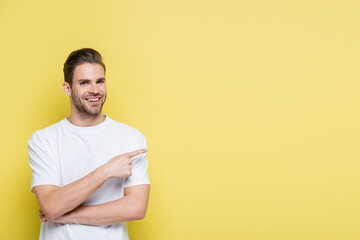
x: 88, y: 90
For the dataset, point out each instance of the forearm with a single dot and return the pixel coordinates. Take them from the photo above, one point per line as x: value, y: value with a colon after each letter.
x: 131, y: 207
x: 121, y: 210
x: 64, y: 199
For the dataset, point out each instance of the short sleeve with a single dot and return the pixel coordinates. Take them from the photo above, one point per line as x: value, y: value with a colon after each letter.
x: 139, y: 167
x: 44, y: 166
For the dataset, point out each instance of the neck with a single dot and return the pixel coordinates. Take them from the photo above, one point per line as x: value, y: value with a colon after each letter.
x: 83, y: 121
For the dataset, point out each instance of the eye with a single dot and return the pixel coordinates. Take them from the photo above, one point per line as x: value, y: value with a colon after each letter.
x: 83, y: 83
x: 100, y: 81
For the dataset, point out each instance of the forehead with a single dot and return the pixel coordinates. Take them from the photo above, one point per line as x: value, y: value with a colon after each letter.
x: 88, y: 71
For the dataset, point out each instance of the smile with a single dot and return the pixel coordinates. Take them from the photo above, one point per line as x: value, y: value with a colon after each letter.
x: 92, y: 100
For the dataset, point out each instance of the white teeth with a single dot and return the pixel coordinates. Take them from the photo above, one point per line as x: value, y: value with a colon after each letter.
x: 93, y: 99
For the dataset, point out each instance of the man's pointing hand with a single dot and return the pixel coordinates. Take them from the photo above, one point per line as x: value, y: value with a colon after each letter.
x: 120, y: 166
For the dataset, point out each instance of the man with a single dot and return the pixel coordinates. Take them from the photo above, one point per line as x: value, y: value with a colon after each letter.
x: 89, y: 172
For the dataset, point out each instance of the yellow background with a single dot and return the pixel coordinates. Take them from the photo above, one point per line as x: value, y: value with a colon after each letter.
x: 250, y: 108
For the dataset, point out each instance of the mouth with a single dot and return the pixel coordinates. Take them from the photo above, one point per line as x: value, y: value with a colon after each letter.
x: 93, y: 100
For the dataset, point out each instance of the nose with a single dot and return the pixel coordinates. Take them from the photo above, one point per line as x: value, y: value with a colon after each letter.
x: 94, y: 89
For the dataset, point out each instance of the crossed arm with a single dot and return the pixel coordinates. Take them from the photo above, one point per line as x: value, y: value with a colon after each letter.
x: 63, y: 204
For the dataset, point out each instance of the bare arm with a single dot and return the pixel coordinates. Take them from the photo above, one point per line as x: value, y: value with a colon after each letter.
x: 131, y: 207
x: 56, y: 201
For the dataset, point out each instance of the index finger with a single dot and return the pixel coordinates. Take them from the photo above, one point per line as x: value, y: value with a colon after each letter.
x: 136, y: 152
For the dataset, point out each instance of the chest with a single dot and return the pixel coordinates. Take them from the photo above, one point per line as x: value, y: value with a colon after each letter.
x: 79, y: 155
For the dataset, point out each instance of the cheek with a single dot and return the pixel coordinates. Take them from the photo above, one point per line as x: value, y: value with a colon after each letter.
x: 80, y: 93
x: 103, y: 90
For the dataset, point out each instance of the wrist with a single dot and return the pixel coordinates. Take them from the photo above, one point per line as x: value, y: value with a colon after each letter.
x: 103, y: 173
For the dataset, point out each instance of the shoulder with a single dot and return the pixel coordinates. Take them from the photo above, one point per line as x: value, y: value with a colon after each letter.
x: 46, y: 133
x: 132, y: 136
x: 125, y: 129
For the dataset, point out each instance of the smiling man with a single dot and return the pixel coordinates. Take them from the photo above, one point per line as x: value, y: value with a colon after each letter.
x: 89, y: 172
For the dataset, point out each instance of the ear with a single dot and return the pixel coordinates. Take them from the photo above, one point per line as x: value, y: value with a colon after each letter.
x: 67, y: 88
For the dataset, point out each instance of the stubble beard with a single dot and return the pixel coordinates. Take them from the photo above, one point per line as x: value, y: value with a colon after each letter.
x: 83, y: 110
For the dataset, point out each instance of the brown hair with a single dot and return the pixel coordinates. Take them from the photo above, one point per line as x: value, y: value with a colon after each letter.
x: 78, y: 57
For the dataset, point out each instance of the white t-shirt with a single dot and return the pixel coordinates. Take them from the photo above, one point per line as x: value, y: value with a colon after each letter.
x: 63, y: 153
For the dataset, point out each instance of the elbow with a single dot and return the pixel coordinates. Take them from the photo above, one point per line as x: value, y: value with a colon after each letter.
x: 139, y: 216
x: 50, y: 212
x: 49, y: 215
x: 140, y: 213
